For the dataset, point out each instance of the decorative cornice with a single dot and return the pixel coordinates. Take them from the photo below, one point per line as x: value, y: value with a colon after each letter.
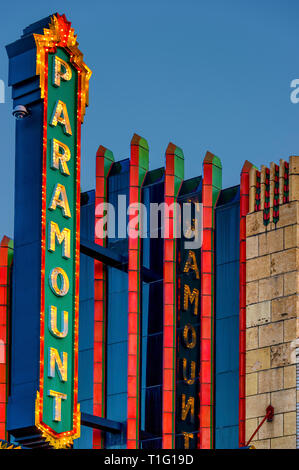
x: 61, y: 34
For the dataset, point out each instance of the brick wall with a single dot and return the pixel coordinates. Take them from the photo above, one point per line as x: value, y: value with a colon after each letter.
x: 272, y: 254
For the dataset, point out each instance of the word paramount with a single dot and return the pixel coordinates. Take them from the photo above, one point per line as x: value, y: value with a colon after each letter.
x: 64, y: 86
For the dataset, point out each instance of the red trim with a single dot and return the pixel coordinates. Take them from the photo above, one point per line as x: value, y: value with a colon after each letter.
x: 39, y: 420
x: 77, y: 259
x: 210, y: 193
x: 138, y: 170
x: 43, y: 241
x: 286, y: 186
x: 169, y: 300
x: 5, y: 265
x: 244, y: 209
x: 205, y: 408
x: 103, y: 168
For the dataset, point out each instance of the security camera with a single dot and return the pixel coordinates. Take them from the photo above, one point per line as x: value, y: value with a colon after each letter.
x: 20, y: 112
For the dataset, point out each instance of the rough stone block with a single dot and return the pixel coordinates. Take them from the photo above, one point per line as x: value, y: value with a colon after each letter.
x: 288, y: 442
x: 294, y: 187
x: 281, y: 355
x: 258, y: 314
x: 252, y: 292
x: 289, y: 423
x: 251, y: 384
x: 290, y: 283
x: 270, y: 288
x: 250, y: 427
x: 270, y: 242
x: 287, y: 214
x: 254, y: 223
x: 290, y: 236
x: 270, y: 380
x: 252, y: 338
x: 252, y: 247
x: 283, y: 261
x: 271, y: 429
x: 289, y: 330
x: 270, y: 334
x: 256, y: 405
x: 289, y: 377
x: 258, y: 268
x: 284, y: 308
x: 294, y: 165
x: 284, y: 400
x: 258, y: 359
x: 265, y: 444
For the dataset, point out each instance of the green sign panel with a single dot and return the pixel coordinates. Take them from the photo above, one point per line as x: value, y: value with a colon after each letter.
x: 63, y: 78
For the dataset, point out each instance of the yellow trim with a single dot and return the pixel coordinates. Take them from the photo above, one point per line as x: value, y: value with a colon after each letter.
x: 53, y: 37
x: 58, y: 442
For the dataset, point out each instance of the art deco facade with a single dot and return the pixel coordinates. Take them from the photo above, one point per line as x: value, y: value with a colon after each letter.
x: 177, y: 347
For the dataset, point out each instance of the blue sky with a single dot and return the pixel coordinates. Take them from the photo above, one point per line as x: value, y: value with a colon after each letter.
x: 206, y: 74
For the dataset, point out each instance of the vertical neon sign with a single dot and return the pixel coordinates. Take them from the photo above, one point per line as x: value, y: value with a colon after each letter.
x: 64, y: 88
x: 188, y: 340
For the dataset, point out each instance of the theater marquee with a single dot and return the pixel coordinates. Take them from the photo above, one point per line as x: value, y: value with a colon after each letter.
x: 64, y: 89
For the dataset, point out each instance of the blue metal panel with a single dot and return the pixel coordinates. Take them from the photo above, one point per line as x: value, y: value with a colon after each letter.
x: 117, y: 316
x: 227, y: 344
x: 152, y: 320
x: 227, y: 437
x: 85, y: 375
x: 25, y: 324
x: 117, y: 373
x: 116, y: 410
x: 227, y: 233
x: 228, y: 395
x: 85, y: 440
x: 23, y: 67
x: 115, y: 405
x: 118, y: 322
x: 226, y: 304
x: 27, y: 266
x: 86, y: 320
x: 227, y: 326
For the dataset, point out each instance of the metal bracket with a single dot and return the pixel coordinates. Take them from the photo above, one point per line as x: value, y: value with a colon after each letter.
x: 109, y: 257
x: 269, y: 417
x: 103, y: 424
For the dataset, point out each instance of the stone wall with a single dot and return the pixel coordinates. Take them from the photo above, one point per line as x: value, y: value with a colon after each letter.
x: 272, y: 255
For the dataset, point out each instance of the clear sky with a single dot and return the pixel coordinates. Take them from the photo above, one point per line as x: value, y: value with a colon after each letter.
x: 206, y: 74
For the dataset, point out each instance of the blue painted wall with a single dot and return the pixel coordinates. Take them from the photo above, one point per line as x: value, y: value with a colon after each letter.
x: 86, y: 321
x: 25, y: 323
x: 227, y: 324
x: 117, y: 317
x: 152, y: 324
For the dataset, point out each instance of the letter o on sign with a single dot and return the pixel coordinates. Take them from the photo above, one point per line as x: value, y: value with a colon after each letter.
x: 64, y: 282
x: 189, y: 335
